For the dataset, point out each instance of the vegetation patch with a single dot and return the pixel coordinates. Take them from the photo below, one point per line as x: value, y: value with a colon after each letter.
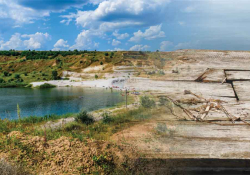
x: 46, y: 86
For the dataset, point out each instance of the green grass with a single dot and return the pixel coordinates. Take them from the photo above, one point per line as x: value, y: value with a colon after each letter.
x: 24, y: 124
x: 11, y: 85
x: 101, y: 130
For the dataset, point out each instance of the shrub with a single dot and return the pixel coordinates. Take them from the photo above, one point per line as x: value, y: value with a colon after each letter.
x: 107, y: 118
x: 84, y: 117
x: 54, y: 75
x: 106, y: 54
x: 101, y: 63
x: 72, y: 126
x: 2, y: 80
x: 17, y: 76
x: 96, y: 76
x: 5, y: 73
x: 161, y: 72
x: 46, y: 85
x: 146, y: 102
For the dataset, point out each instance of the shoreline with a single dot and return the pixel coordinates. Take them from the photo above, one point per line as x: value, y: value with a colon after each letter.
x: 114, y: 83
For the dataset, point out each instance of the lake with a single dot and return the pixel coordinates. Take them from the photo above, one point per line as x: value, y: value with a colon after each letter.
x: 62, y: 100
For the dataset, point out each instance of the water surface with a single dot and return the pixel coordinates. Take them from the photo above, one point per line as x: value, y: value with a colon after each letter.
x: 40, y: 102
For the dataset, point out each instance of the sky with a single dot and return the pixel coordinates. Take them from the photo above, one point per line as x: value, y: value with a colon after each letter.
x: 114, y: 25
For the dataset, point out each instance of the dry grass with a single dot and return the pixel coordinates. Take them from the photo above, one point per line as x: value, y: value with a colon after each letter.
x: 9, y: 169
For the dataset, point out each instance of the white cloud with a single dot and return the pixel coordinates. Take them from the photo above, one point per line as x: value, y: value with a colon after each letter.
x: 165, y: 45
x: 15, y: 42
x: 149, y: 34
x: 114, y: 14
x: 118, y: 49
x: 117, y: 14
x: 139, y: 48
x: 84, y: 40
x: 116, y: 42
x: 61, y: 43
x: 9, y: 9
x: 68, y: 18
x: 35, y: 41
x: 120, y: 36
x: 26, y: 11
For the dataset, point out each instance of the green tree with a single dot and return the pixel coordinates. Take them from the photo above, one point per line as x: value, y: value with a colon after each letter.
x: 54, y: 75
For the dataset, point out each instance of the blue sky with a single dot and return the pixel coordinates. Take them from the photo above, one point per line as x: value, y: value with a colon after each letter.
x: 124, y: 24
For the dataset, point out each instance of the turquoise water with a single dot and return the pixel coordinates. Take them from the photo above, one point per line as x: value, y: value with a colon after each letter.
x: 40, y: 102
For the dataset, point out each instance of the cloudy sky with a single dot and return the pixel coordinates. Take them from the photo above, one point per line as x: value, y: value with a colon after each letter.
x: 124, y: 24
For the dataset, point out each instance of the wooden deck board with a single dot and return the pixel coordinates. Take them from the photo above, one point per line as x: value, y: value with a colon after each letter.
x: 242, y: 88
x: 237, y: 75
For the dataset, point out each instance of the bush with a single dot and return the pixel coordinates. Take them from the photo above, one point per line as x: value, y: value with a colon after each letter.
x: 2, y: 80
x: 84, y: 117
x: 101, y: 63
x: 46, y: 85
x: 106, y: 54
x: 5, y: 73
x: 17, y: 76
x: 151, y: 73
x: 96, y: 76
x: 146, y: 102
x: 107, y: 118
x: 54, y: 75
x: 161, y: 72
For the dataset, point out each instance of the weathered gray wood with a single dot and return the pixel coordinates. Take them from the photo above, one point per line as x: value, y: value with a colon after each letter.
x: 242, y: 89
x: 238, y: 75
x: 175, y: 89
x: 214, y: 75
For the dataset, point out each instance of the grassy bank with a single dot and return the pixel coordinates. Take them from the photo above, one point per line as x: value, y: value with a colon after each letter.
x: 39, y: 149
x: 23, y: 142
x: 12, y: 85
x: 25, y: 124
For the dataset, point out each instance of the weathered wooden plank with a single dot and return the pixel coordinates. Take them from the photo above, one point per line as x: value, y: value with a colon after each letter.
x: 242, y: 89
x: 176, y: 89
x: 238, y: 75
x: 213, y: 75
